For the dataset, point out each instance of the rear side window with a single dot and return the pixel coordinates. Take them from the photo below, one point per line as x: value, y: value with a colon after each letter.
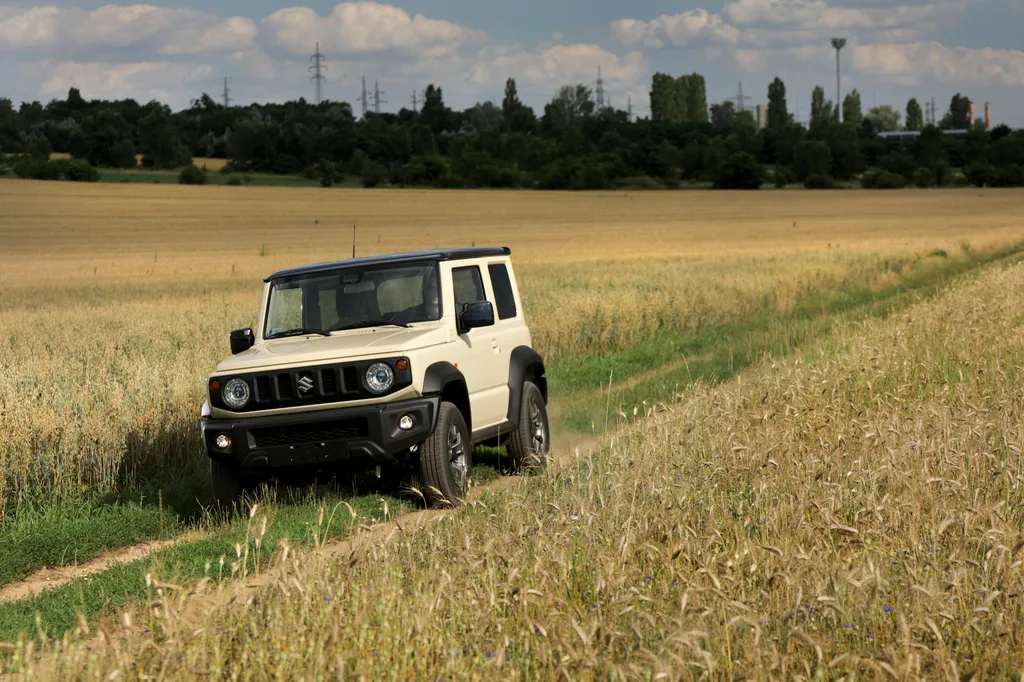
x: 502, y: 290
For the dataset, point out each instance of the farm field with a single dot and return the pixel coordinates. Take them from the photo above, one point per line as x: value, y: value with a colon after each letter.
x: 853, y: 511
x: 115, y: 300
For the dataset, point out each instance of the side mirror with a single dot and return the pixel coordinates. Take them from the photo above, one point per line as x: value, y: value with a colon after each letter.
x: 476, y: 314
x: 241, y: 339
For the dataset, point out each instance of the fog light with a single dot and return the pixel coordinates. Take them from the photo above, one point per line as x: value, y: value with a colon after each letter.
x: 405, y: 422
x: 223, y: 441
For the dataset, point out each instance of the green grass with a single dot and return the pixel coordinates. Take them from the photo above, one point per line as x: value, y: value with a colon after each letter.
x: 718, y: 353
x: 295, y: 518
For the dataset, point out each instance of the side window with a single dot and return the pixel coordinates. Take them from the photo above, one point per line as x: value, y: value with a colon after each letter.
x: 285, y: 309
x: 468, y: 285
x: 502, y: 290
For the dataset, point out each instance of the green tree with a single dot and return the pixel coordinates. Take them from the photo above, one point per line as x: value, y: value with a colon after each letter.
x: 915, y: 117
x: 568, y: 108
x: 884, y: 118
x: 852, y: 112
x: 958, y: 116
x: 722, y: 115
x: 435, y: 114
x: 778, y: 114
x: 821, y: 108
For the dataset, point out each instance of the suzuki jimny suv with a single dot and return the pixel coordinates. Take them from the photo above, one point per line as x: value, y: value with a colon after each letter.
x: 408, y: 358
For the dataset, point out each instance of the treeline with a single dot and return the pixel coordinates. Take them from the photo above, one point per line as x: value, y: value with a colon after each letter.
x: 571, y: 144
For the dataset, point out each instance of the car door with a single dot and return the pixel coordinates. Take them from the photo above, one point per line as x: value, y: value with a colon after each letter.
x: 480, y: 361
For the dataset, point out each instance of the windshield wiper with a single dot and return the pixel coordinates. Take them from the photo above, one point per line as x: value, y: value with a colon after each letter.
x: 370, y: 323
x: 298, y: 331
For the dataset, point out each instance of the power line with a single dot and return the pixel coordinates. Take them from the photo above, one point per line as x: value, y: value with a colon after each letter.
x: 414, y: 107
x: 227, y: 94
x: 740, y: 98
x: 363, y: 98
x: 600, y: 89
x: 316, y: 68
x: 376, y: 98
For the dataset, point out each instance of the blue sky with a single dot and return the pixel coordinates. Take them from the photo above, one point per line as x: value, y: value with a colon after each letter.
x: 174, y: 50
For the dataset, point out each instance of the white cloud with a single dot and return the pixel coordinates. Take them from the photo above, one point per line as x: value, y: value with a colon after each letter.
x: 775, y: 23
x: 819, y: 15
x: 675, y: 29
x: 142, y: 80
x: 909, y: 63
x: 556, y: 66
x: 167, y: 32
x: 361, y: 27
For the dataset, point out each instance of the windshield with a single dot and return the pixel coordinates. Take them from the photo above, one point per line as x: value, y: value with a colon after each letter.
x: 351, y: 298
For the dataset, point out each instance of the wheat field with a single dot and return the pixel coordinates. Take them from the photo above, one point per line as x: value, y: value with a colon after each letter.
x: 116, y: 300
x: 852, y: 511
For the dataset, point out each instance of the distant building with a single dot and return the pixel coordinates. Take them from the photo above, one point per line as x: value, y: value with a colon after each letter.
x: 762, y: 116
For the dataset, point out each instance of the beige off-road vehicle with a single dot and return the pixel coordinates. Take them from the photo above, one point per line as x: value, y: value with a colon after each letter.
x: 404, y: 359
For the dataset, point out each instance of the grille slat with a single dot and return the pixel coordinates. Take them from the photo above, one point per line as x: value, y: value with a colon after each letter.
x: 329, y: 381
x: 350, y: 380
x: 317, y: 432
x: 284, y: 387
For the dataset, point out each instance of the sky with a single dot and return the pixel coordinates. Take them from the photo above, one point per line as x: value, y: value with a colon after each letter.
x: 176, y: 50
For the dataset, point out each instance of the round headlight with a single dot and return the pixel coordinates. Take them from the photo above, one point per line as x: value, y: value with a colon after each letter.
x: 236, y: 394
x: 379, y: 377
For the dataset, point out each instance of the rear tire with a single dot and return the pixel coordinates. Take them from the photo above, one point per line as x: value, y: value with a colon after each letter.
x: 446, y: 458
x: 528, y: 446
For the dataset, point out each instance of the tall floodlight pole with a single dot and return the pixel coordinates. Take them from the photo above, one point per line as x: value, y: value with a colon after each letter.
x: 838, y: 44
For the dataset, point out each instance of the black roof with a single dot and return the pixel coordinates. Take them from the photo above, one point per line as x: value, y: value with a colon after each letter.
x: 433, y: 254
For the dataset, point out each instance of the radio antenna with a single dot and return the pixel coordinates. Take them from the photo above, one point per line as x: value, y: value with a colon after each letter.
x: 353, y: 241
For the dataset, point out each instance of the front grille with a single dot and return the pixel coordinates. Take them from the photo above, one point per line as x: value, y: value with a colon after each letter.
x: 315, y: 385
x: 317, y: 432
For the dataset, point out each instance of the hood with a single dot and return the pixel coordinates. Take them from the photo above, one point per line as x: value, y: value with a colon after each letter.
x: 340, y: 346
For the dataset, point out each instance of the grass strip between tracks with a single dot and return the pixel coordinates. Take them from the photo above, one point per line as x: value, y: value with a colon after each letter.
x: 651, y: 371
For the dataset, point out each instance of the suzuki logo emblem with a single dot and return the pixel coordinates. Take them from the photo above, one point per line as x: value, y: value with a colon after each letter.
x: 306, y: 383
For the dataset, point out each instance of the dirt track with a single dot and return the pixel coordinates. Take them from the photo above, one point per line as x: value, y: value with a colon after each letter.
x: 48, y: 578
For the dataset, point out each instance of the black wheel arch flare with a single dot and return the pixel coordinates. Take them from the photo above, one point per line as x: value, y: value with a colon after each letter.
x: 444, y: 379
x: 524, y: 363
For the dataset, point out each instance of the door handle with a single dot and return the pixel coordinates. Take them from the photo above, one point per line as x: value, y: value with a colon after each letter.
x: 494, y: 345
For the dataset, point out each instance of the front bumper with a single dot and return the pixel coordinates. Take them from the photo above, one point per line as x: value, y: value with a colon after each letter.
x: 369, y: 433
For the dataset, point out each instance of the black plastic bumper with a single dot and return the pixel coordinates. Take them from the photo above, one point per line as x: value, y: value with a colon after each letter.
x: 369, y: 433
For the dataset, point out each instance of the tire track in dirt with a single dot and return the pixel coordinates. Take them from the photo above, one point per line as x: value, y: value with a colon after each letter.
x: 50, y: 578
x: 204, y: 597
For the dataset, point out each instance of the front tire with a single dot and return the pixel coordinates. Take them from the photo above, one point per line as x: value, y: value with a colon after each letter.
x: 446, y: 458
x: 528, y: 446
x: 228, y: 485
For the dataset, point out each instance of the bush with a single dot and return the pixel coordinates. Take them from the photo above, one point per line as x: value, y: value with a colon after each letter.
x: 1011, y: 175
x: 739, y: 171
x: 943, y: 174
x: 780, y: 177
x: 979, y: 174
x: 638, y: 182
x: 78, y: 170
x: 192, y: 175
x: 74, y: 170
x: 234, y: 181
x: 923, y: 178
x: 882, y: 179
x: 373, y: 173
x: 819, y: 181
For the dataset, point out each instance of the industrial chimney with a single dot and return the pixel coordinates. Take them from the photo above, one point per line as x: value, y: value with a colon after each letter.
x: 988, y: 116
x: 970, y: 120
